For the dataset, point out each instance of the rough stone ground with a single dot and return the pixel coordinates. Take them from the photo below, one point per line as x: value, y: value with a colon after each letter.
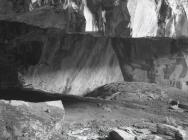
x: 118, y: 111
x: 136, y: 105
x: 29, y: 121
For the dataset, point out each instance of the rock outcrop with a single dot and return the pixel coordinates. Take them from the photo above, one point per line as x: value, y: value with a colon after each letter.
x: 75, y: 64
x: 163, y: 131
x: 157, y: 60
x: 50, y: 48
x: 25, y: 120
x: 52, y: 60
x: 120, y: 18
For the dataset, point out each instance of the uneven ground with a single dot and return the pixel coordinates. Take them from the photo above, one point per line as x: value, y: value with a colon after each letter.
x: 135, y: 105
x: 41, y: 46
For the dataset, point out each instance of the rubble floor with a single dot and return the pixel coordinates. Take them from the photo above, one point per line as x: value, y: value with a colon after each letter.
x: 134, y: 106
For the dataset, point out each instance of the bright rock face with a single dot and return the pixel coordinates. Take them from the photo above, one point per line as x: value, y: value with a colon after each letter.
x: 144, y: 19
x: 75, y: 64
x: 124, y: 18
x: 164, y: 18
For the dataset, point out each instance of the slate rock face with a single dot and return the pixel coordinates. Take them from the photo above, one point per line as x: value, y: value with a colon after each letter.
x: 162, y: 61
x: 76, y: 64
x: 25, y: 120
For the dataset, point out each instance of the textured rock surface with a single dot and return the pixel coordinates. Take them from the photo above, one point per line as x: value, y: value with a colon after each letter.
x: 163, y: 132
x: 79, y: 63
x: 130, y: 91
x: 162, y: 61
x: 53, y: 61
x: 75, y: 64
x: 92, y: 120
x: 25, y: 120
x: 43, y: 16
x: 170, y: 131
x: 121, y: 135
x: 164, y: 18
x: 125, y: 18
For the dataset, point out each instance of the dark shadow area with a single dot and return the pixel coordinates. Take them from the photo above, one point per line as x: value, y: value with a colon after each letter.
x: 10, y: 30
x: 33, y: 95
x: 69, y: 101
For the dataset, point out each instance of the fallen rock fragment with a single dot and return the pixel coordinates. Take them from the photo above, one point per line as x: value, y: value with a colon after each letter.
x: 146, y: 125
x: 163, y: 132
x: 117, y: 134
x: 176, y: 133
x: 174, y: 106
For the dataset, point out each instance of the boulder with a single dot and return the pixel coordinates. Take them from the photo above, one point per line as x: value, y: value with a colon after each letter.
x: 26, y: 120
x: 164, y: 129
x: 118, y: 134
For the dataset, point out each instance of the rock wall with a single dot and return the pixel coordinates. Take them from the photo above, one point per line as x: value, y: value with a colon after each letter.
x: 119, y: 18
x: 49, y: 46
x: 52, y: 60
x: 74, y: 64
x: 162, y: 61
